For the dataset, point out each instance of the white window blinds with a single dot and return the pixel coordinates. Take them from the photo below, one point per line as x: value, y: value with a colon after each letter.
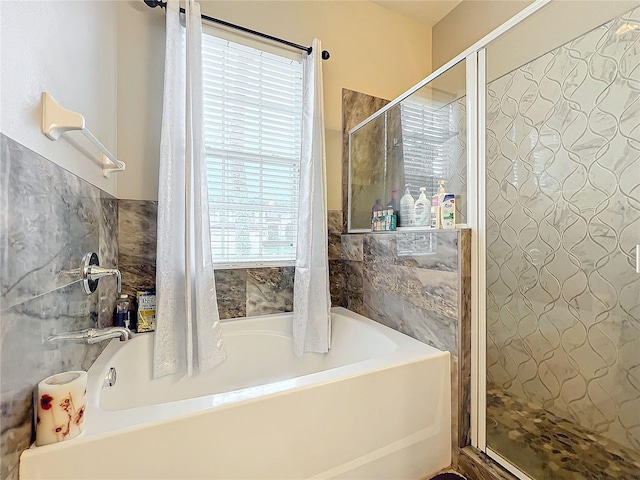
x: 253, y: 117
x: 425, y: 129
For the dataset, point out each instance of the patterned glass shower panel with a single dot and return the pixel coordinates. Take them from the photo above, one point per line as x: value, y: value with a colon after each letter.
x: 563, y: 219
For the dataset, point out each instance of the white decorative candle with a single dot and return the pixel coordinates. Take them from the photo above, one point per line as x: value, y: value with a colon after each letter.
x: 60, y: 407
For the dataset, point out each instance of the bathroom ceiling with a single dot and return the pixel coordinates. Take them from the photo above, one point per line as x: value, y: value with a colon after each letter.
x: 427, y: 12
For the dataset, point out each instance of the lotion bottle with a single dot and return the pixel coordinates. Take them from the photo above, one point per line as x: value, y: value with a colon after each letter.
x: 421, y: 209
x: 406, y: 209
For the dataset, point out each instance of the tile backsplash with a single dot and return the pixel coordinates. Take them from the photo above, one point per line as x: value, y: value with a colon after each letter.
x: 240, y: 291
x: 49, y: 219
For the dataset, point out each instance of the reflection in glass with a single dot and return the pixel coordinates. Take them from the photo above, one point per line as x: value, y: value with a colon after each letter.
x: 416, y: 143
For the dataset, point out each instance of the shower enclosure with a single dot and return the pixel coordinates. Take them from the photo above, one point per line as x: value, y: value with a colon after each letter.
x: 550, y: 126
x: 561, y: 221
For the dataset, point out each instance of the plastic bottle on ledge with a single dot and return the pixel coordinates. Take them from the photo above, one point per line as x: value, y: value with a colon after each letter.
x: 122, y: 317
x: 406, y: 208
x: 393, y: 204
x: 421, y: 210
x: 436, y: 202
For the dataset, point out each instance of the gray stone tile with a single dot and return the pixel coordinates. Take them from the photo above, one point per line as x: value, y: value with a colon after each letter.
x: 231, y: 292
x: 334, y: 221
x: 337, y: 283
x: 352, y: 247
x: 50, y: 219
x: 356, y: 107
x: 137, y: 231
x: 354, y: 276
x: 108, y: 255
x: 435, y: 250
x: 269, y: 290
x: 419, y: 303
x: 464, y: 395
x: 46, y: 210
x: 138, y: 277
x: 379, y: 248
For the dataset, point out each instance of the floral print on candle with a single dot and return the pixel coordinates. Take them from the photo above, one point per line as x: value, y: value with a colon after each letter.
x: 61, y: 407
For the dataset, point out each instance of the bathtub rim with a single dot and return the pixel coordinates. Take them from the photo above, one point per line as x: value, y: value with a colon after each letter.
x: 100, y: 422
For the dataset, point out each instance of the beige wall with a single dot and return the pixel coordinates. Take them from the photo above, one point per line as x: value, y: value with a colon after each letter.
x: 68, y: 49
x: 543, y: 31
x: 373, y: 50
x: 468, y: 23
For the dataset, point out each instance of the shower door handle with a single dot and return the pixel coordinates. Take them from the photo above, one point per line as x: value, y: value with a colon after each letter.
x: 637, y: 258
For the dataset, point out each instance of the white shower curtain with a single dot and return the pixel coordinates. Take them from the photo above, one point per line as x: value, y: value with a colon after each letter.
x: 187, y: 338
x: 311, y: 299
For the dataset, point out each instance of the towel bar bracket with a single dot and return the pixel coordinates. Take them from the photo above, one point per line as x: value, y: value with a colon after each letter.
x: 57, y: 120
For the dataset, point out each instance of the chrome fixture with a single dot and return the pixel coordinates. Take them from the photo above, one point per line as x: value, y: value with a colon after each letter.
x: 110, y: 378
x: 89, y: 336
x: 92, y: 272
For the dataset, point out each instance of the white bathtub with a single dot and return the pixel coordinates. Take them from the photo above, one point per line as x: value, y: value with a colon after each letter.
x: 376, y: 406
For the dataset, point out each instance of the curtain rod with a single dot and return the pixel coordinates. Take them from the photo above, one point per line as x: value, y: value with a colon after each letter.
x: 161, y: 4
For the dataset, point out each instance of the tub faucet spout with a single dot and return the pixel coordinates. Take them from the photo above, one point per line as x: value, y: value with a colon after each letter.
x: 96, y: 273
x: 89, y: 336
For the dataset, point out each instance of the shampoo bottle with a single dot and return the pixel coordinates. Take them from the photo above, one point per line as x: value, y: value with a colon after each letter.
x: 421, y: 210
x: 448, y: 211
x: 406, y: 209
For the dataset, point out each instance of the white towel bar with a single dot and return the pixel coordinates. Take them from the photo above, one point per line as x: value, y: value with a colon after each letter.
x: 57, y: 120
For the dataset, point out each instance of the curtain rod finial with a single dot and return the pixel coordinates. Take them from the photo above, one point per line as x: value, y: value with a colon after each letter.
x: 155, y: 3
x: 325, y: 55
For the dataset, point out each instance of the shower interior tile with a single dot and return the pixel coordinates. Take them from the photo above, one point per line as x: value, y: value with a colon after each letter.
x: 548, y: 446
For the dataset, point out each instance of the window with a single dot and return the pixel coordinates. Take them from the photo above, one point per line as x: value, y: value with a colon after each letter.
x: 425, y: 129
x: 253, y: 123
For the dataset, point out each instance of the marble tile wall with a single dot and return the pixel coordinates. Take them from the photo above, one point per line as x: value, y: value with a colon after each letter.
x: 240, y: 292
x: 137, y: 228
x: 419, y: 284
x: 563, y: 197
x: 416, y: 283
x: 356, y: 107
x: 49, y: 219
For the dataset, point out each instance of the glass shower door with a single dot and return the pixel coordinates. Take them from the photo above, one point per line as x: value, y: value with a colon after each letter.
x: 562, y: 221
